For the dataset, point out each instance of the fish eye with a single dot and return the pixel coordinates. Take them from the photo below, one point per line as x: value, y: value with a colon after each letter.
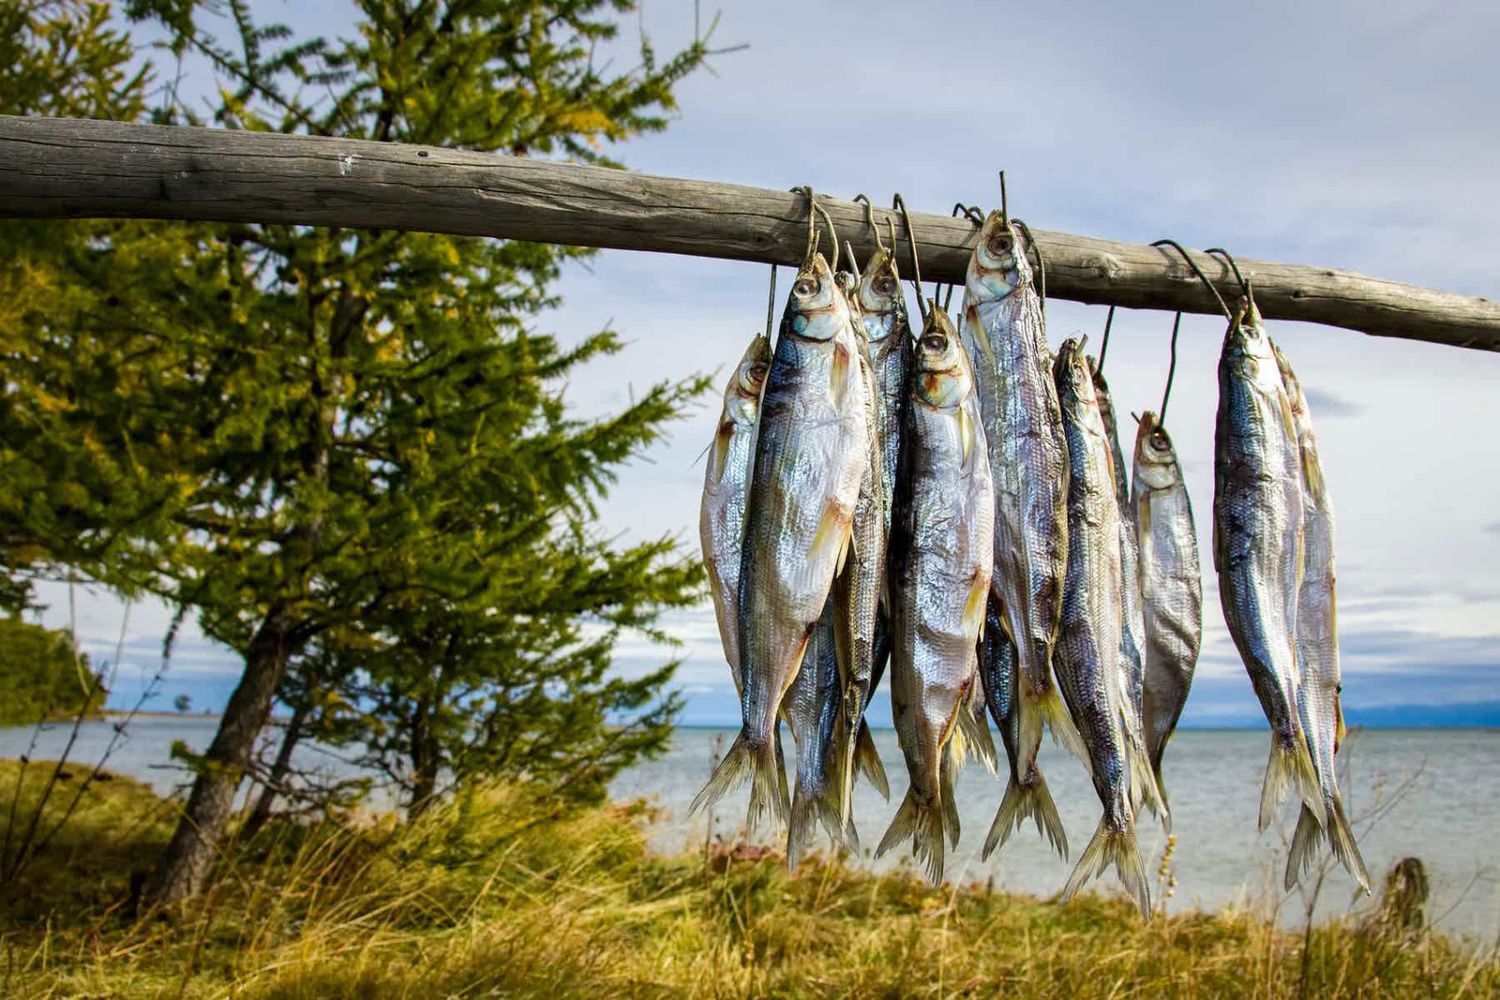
x: 805, y: 286
x: 1159, y: 440
x: 1001, y: 243
x: 934, y: 342
x: 757, y: 372
x: 885, y: 285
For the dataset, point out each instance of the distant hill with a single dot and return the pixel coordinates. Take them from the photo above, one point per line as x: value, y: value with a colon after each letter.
x: 1480, y: 714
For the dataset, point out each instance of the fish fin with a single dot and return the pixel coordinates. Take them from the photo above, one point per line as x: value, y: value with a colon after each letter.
x: 1021, y: 801
x: 1051, y: 708
x: 1143, y: 787
x: 1290, y: 767
x: 718, y: 461
x: 976, y: 732
x: 1339, y: 732
x: 808, y: 812
x: 967, y: 438
x: 981, y: 337
x: 953, y: 762
x: 831, y: 541
x: 1118, y: 848
x: 1341, y: 839
x: 1303, y: 854
x: 781, y: 785
x: 838, y: 375
x: 1161, y: 794
x: 758, y: 765
x: 924, y: 825
x: 867, y: 759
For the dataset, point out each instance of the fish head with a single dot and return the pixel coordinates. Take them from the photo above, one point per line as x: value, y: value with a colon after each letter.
x: 944, y: 378
x: 1155, y: 456
x: 880, y: 301
x: 1070, y: 367
x: 817, y: 308
x: 998, y: 265
x: 742, y: 400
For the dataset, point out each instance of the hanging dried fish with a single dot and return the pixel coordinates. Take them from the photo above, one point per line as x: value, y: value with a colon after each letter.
x: 941, y: 551
x: 1318, y: 654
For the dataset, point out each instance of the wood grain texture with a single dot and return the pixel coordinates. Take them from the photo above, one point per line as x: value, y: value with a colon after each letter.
x: 65, y: 168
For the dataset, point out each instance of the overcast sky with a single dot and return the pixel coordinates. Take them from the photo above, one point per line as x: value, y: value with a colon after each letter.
x: 1337, y: 134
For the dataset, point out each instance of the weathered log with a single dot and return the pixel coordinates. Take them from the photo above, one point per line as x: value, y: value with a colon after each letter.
x: 63, y: 168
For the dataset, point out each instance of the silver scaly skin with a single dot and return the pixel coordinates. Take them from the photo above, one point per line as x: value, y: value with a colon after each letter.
x: 811, y: 452
x: 1258, y: 545
x: 726, y: 490
x: 940, y: 559
x: 1143, y: 784
x: 1088, y: 644
x: 1318, y: 654
x: 810, y: 709
x: 1003, y: 331
x: 888, y: 346
x: 1171, y: 585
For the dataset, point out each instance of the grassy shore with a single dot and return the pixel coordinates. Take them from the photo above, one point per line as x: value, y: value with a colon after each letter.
x: 499, y: 894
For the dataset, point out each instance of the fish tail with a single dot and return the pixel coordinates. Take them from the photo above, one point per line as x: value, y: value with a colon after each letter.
x: 953, y: 762
x: 758, y: 764
x: 1113, y: 847
x: 1144, y: 789
x: 923, y: 824
x: 867, y: 758
x: 1021, y: 801
x: 1161, y: 795
x: 1341, y: 839
x: 1303, y: 854
x: 809, y: 811
x: 1047, y: 707
x: 976, y: 732
x: 1290, y: 767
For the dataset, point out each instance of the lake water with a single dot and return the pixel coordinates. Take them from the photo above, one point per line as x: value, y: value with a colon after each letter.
x: 1434, y: 791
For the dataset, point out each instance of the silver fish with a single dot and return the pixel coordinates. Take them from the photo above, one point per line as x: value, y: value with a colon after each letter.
x: 811, y: 710
x: 811, y: 452
x: 1318, y: 653
x: 1088, y: 645
x: 1258, y: 545
x: 726, y: 491
x: 941, y: 552
x: 1003, y: 331
x: 1026, y: 794
x: 1143, y: 784
x: 1171, y: 585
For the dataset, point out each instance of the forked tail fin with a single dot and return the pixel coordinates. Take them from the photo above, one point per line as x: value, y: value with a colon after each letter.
x: 1290, y: 767
x: 1144, y: 789
x: 808, y: 811
x: 760, y: 765
x: 867, y: 759
x: 974, y: 730
x: 924, y: 825
x: 1021, y: 801
x: 1341, y: 839
x: 1303, y: 855
x: 1035, y: 710
x: 1118, y: 848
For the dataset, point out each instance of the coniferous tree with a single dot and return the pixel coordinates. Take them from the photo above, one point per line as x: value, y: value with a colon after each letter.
x: 307, y: 435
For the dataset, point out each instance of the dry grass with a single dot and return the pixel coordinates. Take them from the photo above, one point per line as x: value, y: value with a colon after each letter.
x: 501, y: 895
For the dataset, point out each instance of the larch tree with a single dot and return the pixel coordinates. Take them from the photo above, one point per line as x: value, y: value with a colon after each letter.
x: 341, y: 438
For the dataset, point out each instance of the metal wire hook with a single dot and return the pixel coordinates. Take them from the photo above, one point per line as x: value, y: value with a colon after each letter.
x: 1199, y: 272
x: 1233, y: 266
x: 1004, y: 202
x: 870, y: 219
x: 853, y: 262
x: 812, y: 224
x: 832, y: 231
x: 899, y: 204
x: 1109, y: 321
x: 1041, y: 262
x: 970, y: 212
x: 1166, y: 393
x: 771, y: 302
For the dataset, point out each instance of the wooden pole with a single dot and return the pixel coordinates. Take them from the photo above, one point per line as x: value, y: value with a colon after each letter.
x: 65, y: 168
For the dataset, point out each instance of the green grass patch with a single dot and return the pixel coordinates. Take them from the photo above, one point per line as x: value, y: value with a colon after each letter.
x: 499, y: 893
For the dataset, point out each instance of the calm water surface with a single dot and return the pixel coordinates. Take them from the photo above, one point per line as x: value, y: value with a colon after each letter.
x: 1435, y: 792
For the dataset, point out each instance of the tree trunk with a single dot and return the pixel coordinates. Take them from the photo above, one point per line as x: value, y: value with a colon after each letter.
x: 280, y: 768
x: 189, y: 856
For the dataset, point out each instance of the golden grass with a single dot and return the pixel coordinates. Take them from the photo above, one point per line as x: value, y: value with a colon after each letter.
x: 499, y: 894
